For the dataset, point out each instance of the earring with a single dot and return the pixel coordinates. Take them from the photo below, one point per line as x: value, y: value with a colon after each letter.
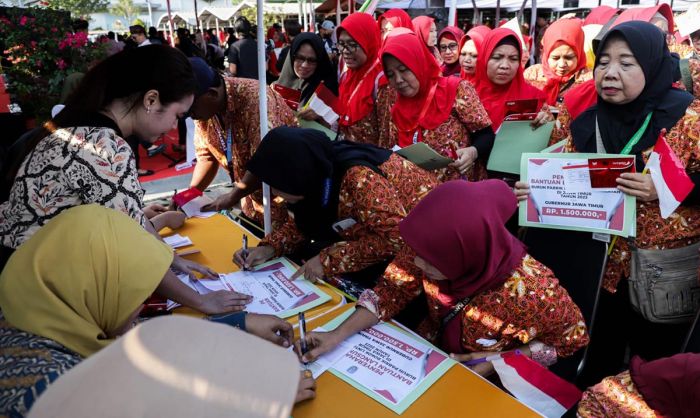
x: 148, y: 109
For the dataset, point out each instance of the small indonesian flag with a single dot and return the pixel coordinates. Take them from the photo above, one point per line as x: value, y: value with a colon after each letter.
x: 668, y: 174
x: 324, y: 103
x: 535, y: 386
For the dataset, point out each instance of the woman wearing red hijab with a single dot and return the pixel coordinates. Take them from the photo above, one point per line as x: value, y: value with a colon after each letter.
x: 392, y: 19
x: 499, y: 75
x: 600, y: 15
x: 443, y: 112
x: 563, y: 60
x: 485, y: 294
x: 469, y: 47
x: 448, y: 45
x: 424, y: 27
x: 362, y: 90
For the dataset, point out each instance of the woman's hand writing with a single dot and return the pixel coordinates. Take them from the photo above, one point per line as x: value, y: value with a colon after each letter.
x: 256, y: 255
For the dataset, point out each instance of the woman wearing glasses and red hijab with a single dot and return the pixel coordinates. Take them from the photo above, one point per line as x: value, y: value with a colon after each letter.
x: 485, y: 294
x: 443, y: 112
x: 362, y: 88
x: 448, y: 45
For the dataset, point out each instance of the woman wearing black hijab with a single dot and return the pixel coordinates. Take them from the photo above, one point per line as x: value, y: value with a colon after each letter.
x: 347, y: 198
x: 307, y: 66
x: 634, y: 72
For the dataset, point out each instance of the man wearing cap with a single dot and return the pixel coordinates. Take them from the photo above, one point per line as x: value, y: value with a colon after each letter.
x: 227, y: 133
x: 138, y: 35
x: 326, y: 31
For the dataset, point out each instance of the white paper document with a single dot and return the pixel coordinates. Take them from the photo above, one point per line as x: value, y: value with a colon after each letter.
x: 177, y: 241
x: 193, y: 208
x: 271, y: 288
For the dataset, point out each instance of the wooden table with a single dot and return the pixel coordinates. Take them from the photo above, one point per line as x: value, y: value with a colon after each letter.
x: 459, y: 393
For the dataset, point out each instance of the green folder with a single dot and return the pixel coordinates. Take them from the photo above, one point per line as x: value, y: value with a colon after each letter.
x: 512, y: 140
x: 312, y: 124
x: 424, y: 157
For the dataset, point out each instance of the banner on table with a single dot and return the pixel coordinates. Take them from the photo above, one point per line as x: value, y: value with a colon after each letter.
x: 578, y: 192
x: 386, y: 363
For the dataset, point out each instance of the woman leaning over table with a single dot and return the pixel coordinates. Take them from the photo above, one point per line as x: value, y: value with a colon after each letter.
x: 80, y: 156
x: 347, y: 200
x: 443, y: 112
x: 634, y: 72
x: 363, y: 94
x: 62, y: 303
x: 485, y: 294
x: 563, y: 61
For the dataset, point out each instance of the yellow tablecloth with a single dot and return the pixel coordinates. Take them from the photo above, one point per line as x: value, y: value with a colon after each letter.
x: 460, y: 393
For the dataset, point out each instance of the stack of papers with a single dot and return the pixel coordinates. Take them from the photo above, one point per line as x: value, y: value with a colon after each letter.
x: 424, y: 157
x: 177, y: 241
x: 324, y: 103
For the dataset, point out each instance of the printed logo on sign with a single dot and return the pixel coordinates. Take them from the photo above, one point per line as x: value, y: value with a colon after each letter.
x: 398, y: 344
x: 289, y: 285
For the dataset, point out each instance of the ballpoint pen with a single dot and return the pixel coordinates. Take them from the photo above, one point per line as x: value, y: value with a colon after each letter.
x: 244, y: 251
x: 302, y: 334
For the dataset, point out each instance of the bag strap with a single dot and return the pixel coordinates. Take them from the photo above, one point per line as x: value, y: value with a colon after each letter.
x: 455, y: 311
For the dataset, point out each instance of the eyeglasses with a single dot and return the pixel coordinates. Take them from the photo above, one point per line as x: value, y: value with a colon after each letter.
x: 299, y: 59
x: 350, y: 46
x: 452, y: 47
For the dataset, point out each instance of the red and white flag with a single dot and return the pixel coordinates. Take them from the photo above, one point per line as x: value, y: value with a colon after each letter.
x: 324, y: 103
x: 668, y: 174
x: 535, y: 386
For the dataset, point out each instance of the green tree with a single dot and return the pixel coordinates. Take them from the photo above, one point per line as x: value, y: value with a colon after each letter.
x: 79, y: 8
x: 251, y: 13
x: 126, y: 9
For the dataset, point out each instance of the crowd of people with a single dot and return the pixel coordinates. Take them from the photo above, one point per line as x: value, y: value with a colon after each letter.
x: 434, y: 249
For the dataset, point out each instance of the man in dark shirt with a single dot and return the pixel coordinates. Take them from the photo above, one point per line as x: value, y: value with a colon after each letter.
x: 243, y: 54
x: 292, y: 28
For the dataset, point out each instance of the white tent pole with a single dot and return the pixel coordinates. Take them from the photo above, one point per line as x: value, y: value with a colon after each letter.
x: 301, y: 13
x: 312, y: 16
x: 498, y: 13
x: 452, y: 16
x: 475, y: 18
x: 217, y: 26
x: 262, y: 93
x: 533, y: 37
x: 170, y: 21
x: 302, y: 9
x: 338, y: 9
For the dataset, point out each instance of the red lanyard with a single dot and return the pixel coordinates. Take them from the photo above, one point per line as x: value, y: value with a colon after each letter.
x: 417, y: 134
x: 357, y: 87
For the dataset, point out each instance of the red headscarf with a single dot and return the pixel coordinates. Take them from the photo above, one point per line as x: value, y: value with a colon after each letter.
x: 645, y: 14
x: 356, y: 86
x: 421, y: 26
x: 600, y: 15
x: 454, y: 33
x: 398, y: 18
x: 580, y: 98
x: 565, y: 31
x: 669, y: 385
x: 474, y: 250
x: 476, y: 34
x: 435, y: 99
x: 494, y: 96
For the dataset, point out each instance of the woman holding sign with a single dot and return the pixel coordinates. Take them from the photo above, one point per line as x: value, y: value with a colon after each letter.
x: 485, y: 294
x: 634, y: 73
x: 443, y: 112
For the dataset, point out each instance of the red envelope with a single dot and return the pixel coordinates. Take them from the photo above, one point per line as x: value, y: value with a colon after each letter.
x: 605, y: 171
x: 182, y: 198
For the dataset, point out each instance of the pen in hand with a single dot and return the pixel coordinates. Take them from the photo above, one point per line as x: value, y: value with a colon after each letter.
x: 302, y: 334
x: 244, y: 251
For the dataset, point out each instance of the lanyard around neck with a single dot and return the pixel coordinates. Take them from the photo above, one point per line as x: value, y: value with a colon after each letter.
x: 637, y: 136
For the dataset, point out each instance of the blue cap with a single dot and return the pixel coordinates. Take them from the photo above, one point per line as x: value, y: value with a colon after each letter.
x: 204, y: 74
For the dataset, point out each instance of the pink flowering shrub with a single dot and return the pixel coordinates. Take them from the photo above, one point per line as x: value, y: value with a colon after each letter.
x: 40, y: 51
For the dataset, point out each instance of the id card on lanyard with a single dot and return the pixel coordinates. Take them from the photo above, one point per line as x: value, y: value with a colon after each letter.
x: 229, y: 150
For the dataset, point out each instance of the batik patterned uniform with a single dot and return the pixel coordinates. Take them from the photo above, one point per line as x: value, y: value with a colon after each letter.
x: 694, y: 67
x: 243, y: 118
x: 680, y: 229
x: 28, y: 365
x: 615, y: 396
x: 377, y: 204
x: 467, y: 116
x: 71, y: 167
x: 530, y: 305
x: 373, y: 128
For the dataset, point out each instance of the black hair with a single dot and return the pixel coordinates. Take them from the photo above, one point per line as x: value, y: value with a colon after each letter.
x: 169, y: 72
x: 152, y: 32
x: 292, y: 27
x: 111, y: 35
x: 137, y: 29
x: 242, y: 26
x: 79, y: 24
